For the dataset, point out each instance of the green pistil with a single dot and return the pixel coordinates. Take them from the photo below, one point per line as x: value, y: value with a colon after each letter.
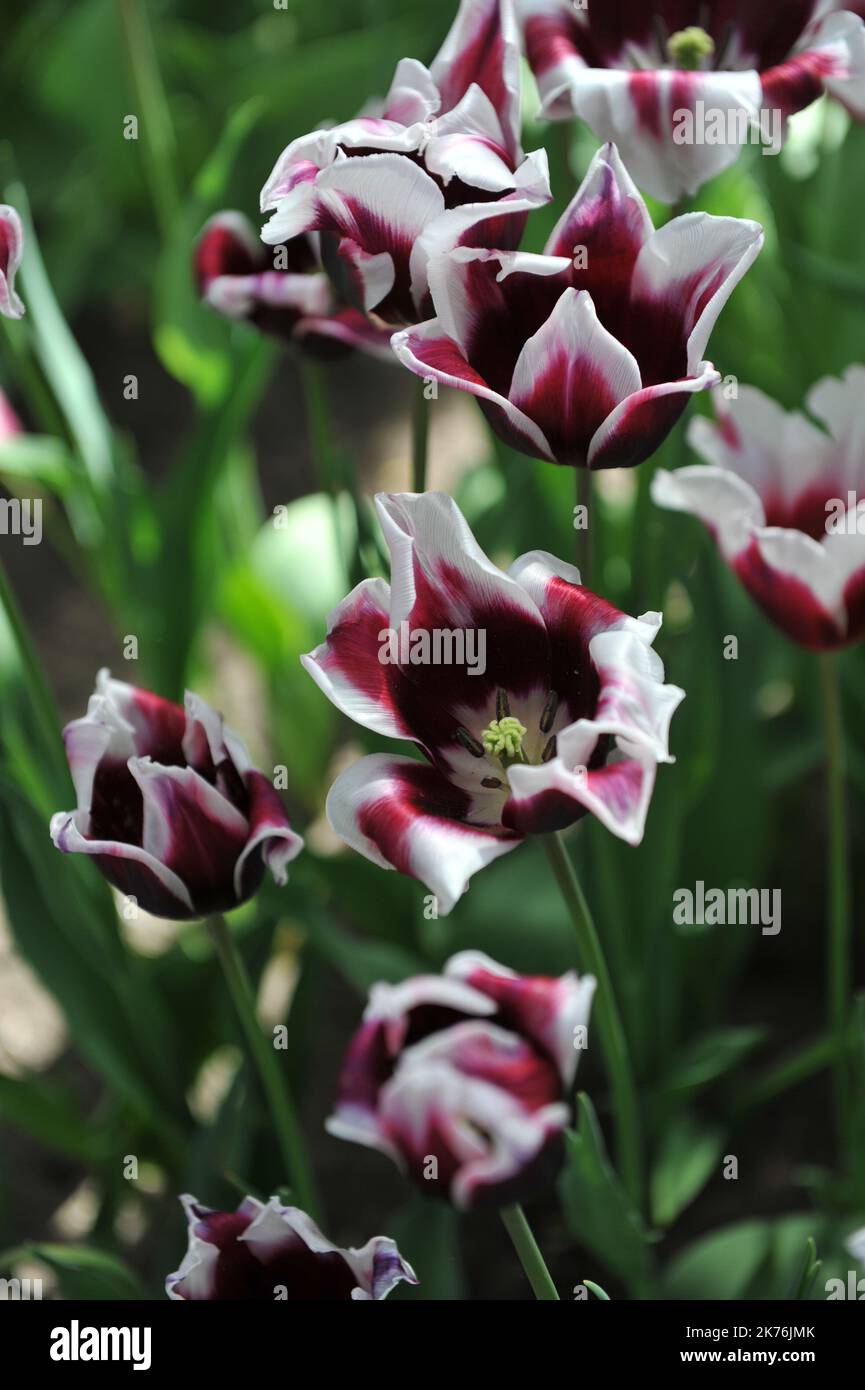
x: 503, y: 738
x: 689, y: 47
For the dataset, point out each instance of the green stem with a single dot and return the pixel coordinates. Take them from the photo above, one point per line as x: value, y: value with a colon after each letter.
x: 419, y: 439
x: 606, y: 1012
x: 531, y: 1259
x: 40, y: 695
x: 273, y: 1083
x: 583, y: 539
x: 838, y: 899
x: 159, y: 140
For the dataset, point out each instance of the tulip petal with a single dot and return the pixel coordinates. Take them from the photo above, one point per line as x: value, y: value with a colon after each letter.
x: 428, y: 352
x: 271, y: 843
x: 724, y: 502
x: 571, y: 375
x: 380, y: 204
x: 479, y: 1099
x: 602, y: 231
x: 406, y: 815
x: 684, y: 275
x: 441, y: 579
x: 483, y: 47
x: 191, y: 828
x: 548, y: 1011
x: 789, y: 463
x: 131, y: 869
x: 830, y: 58
x: 11, y: 244
x: 636, y: 427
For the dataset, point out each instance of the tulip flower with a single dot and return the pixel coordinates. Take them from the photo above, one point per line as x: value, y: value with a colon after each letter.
x: 267, y: 1253
x: 462, y: 1078
x: 441, y: 167
x: 681, y: 86
x: 785, y: 501
x: 588, y: 354
x: 11, y: 241
x: 569, y: 714
x: 169, y: 805
x: 282, y: 290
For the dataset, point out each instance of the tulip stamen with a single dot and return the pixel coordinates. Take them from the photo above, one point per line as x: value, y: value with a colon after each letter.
x: 492, y: 784
x: 503, y: 705
x: 549, y: 750
x: 503, y: 738
x: 471, y: 745
x: 549, y: 712
x: 689, y: 48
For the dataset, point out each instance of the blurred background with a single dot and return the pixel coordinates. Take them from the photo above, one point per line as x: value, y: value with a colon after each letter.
x: 116, y: 1038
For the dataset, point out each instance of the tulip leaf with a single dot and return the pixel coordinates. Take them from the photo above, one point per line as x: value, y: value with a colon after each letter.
x: 86, y: 1273
x: 710, y: 1057
x: 47, y: 1114
x: 598, y: 1211
x: 688, y: 1154
x: 427, y: 1234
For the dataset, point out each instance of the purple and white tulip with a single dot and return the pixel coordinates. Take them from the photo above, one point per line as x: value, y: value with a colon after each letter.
x: 462, y: 1078
x: 272, y: 1253
x: 11, y: 244
x: 588, y: 354
x: 169, y: 805
x: 570, y: 714
x: 441, y: 167
x: 785, y: 501
x: 281, y: 290
x: 639, y: 73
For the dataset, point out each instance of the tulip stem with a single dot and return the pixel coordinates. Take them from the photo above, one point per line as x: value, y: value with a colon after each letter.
x: 605, y: 1010
x: 273, y: 1083
x: 583, y: 542
x: 530, y: 1257
x: 419, y: 439
x: 838, y: 897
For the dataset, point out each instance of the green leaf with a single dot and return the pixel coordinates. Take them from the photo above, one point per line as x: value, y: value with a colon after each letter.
x: 599, y: 1214
x: 721, y: 1264
x: 427, y: 1233
x: 361, y: 962
x: 47, y: 1114
x: 90, y: 1274
x: 688, y: 1155
x: 710, y: 1058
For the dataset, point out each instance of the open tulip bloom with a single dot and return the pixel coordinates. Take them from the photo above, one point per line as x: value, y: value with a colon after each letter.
x: 11, y: 242
x: 270, y: 1252
x: 569, y: 714
x: 588, y: 354
x: 681, y: 99
x: 169, y: 805
x: 784, y: 501
x: 441, y: 167
x: 462, y: 1078
x: 282, y: 290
